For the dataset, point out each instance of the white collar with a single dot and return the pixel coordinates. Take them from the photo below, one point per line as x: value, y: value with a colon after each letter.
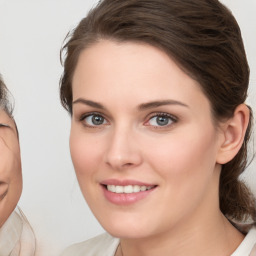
x: 247, y: 245
x: 16, y: 236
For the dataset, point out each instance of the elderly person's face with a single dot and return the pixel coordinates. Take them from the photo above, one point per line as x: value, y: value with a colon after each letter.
x: 10, y: 167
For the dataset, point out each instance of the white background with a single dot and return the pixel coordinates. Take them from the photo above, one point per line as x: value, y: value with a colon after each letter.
x: 31, y: 35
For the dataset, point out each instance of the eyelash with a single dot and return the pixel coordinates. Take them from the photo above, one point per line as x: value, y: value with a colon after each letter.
x: 4, y: 125
x: 84, y: 116
x: 172, y: 119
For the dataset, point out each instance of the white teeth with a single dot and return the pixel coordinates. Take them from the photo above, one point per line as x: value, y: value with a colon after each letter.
x: 119, y: 189
x: 127, y: 189
x: 143, y: 188
x: 112, y: 188
x: 136, y: 188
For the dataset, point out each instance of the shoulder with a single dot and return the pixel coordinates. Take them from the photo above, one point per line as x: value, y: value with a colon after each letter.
x: 248, y: 245
x: 16, y: 236
x: 10, y: 234
x: 103, y: 245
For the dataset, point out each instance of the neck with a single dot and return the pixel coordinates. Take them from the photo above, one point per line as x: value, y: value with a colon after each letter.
x: 200, y: 239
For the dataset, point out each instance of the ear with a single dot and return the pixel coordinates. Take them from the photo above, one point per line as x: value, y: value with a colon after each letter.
x: 234, y: 130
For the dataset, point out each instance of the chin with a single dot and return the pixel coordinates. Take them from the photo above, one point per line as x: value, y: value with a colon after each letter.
x: 127, y: 229
x: 126, y: 234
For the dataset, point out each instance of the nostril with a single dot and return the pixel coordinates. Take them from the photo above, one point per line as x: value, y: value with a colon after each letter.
x: 128, y: 164
x: 122, y: 157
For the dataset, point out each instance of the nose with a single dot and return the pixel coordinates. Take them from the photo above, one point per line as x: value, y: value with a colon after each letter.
x: 123, y: 150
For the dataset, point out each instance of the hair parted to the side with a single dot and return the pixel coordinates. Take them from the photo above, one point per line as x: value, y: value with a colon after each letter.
x: 205, y: 40
x: 4, y: 98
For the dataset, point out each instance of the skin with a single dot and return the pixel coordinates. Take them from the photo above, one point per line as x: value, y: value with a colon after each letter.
x: 181, y: 216
x: 10, y: 167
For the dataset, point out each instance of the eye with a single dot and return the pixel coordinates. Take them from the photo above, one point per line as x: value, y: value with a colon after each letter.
x: 161, y: 120
x: 93, y: 120
x: 4, y: 125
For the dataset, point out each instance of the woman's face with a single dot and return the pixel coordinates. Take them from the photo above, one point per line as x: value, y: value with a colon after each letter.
x: 10, y: 167
x: 142, y: 140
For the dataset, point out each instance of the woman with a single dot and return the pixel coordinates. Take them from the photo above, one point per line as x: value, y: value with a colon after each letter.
x: 16, y: 235
x: 159, y: 133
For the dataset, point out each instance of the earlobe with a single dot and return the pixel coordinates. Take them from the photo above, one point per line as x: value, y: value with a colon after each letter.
x: 234, y: 130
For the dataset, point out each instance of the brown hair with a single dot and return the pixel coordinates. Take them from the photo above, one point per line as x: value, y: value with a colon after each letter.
x: 204, y: 39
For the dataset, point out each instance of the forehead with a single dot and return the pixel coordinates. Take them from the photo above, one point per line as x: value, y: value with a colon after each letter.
x: 109, y: 66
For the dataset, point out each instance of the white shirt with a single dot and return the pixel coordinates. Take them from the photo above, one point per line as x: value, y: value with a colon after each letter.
x: 16, y: 236
x: 106, y: 245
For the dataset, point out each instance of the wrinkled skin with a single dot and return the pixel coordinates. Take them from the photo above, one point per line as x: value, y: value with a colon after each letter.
x: 10, y: 167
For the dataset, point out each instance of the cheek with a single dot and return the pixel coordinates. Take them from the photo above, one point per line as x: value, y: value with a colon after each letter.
x: 10, y: 173
x: 86, y: 156
x: 85, y: 153
x: 9, y: 202
x: 186, y: 165
x: 185, y: 158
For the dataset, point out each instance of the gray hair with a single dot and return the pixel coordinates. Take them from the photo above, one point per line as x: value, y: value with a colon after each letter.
x: 5, y: 103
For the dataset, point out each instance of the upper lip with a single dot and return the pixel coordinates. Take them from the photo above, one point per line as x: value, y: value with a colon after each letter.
x: 117, y: 182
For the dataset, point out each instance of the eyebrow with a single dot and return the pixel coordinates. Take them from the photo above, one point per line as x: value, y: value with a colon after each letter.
x: 89, y: 103
x: 143, y: 106
x: 154, y: 104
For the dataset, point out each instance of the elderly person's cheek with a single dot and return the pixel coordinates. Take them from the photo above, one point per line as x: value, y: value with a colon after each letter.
x: 10, y: 193
x: 10, y: 179
x: 3, y: 190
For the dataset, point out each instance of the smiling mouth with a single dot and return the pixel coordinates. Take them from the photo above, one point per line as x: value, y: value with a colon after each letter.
x: 129, y: 189
x: 126, y: 192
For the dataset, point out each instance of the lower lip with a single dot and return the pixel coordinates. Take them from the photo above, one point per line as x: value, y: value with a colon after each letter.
x: 126, y: 199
